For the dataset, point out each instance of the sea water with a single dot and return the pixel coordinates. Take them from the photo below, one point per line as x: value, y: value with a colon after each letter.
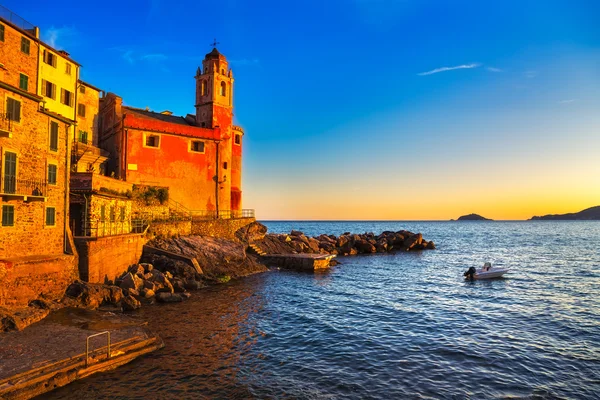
x: 387, y: 326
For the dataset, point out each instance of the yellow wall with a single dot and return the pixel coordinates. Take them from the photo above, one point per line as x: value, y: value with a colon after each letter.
x: 60, y: 78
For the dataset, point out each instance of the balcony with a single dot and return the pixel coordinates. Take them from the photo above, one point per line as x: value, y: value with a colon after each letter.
x: 27, y: 189
x: 6, y: 125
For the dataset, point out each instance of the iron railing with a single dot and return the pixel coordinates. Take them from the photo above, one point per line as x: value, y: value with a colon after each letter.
x: 100, y: 228
x: 222, y: 214
x: 5, y: 122
x: 24, y: 187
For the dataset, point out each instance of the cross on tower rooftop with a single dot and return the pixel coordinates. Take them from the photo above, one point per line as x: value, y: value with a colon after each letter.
x: 215, y: 43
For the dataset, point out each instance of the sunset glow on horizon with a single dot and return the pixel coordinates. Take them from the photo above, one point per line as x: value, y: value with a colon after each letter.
x: 373, y: 110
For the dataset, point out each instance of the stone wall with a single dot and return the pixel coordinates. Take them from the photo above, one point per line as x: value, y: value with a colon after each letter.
x: 222, y: 228
x: 170, y: 228
x: 28, y: 278
x: 106, y: 258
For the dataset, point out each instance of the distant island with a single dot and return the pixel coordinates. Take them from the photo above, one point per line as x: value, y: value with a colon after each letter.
x: 473, y: 217
x: 589, y: 214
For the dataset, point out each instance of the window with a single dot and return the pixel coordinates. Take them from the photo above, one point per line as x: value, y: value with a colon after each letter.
x: 68, y: 69
x: 203, y: 90
x: 112, y: 214
x: 10, y: 172
x: 66, y: 97
x: 222, y: 71
x: 1, y: 33
x: 23, y: 81
x: 102, y: 212
x: 50, y: 58
x: 8, y: 215
x: 49, y: 89
x: 223, y: 89
x: 225, y: 165
x: 238, y: 138
x: 152, y: 141
x: 82, y: 89
x: 52, y: 172
x: 54, y: 136
x: 122, y: 214
x: 81, y: 110
x: 198, y: 146
x: 13, y: 109
x: 25, y: 43
x: 50, y: 216
x: 83, y: 137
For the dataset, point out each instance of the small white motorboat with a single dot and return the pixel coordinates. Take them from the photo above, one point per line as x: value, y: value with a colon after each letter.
x: 485, y: 272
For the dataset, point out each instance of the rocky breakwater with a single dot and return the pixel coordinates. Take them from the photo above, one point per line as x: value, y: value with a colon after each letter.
x: 346, y: 244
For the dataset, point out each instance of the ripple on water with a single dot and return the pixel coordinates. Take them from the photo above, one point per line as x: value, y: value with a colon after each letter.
x: 391, y: 326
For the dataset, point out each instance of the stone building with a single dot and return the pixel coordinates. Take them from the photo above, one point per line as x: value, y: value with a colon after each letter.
x: 34, y: 174
x: 197, y: 157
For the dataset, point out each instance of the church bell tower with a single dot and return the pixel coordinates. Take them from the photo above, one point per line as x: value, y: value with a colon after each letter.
x: 214, y: 93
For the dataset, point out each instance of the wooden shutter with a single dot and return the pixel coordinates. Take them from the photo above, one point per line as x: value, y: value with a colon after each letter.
x: 53, y: 87
x: 17, y: 110
x: 62, y: 96
x: 44, y: 87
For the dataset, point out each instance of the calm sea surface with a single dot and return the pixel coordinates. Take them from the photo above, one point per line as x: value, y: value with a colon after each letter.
x: 398, y: 326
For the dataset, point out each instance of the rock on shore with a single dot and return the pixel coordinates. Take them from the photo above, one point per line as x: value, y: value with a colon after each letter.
x: 346, y: 244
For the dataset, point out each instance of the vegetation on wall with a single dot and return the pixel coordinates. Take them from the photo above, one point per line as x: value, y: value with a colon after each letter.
x: 150, y: 194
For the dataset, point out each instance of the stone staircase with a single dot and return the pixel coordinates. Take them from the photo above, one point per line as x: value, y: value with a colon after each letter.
x: 254, y: 248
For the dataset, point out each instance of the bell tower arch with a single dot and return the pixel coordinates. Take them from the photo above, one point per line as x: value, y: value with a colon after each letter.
x: 214, y: 93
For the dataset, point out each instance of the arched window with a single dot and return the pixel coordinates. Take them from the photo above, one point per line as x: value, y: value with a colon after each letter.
x: 223, y: 89
x: 203, y: 91
x: 222, y: 71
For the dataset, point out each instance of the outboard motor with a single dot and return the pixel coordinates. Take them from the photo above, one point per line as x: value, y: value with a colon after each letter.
x: 470, y: 274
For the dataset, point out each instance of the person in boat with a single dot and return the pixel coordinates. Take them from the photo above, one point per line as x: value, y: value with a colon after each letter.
x: 486, y: 267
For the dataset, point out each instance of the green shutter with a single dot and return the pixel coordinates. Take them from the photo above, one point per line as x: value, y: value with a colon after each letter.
x: 10, y: 172
x: 8, y: 215
x: 50, y: 216
x: 54, y: 136
x: 23, y: 82
x: 52, y: 174
x: 1, y: 32
x: 13, y: 109
x: 25, y: 45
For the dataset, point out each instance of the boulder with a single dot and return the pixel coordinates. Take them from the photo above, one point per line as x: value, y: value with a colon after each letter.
x: 131, y: 292
x: 92, y: 295
x: 136, y: 269
x: 252, y: 232
x: 148, y: 293
x: 191, y: 284
x: 130, y: 303
x: 431, y: 245
x: 149, y: 285
x: 178, y: 285
x: 147, y: 267
x: 131, y: 281
x: 313, y: 244
x: 327, y: 246
x: 163, y: 297
x: 412, y: 241
x: 364, y: 246
x: 296, y: 233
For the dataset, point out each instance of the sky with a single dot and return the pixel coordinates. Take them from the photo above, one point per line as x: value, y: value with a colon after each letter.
x: 370, y: 109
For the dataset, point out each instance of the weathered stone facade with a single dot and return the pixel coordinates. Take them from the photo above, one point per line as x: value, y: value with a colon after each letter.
x: 88, y: 157
x: 221, y: 228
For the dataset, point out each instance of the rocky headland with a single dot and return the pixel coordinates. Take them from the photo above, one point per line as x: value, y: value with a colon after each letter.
x: 160, y: 278
x: 589, y: 214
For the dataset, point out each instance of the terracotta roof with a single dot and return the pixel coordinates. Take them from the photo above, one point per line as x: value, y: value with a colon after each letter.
x: 173, y: 119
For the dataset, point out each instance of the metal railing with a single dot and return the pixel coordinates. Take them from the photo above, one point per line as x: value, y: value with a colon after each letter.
x: 5, y: 122
x: 100, y: 228
x: 222, y: 214
x: 87, y: 346
x: 16, y: 19
x: 179, y: 211
x: 25, y: 187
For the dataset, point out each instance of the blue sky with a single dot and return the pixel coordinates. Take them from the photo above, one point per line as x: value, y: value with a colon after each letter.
x: 370, y: 109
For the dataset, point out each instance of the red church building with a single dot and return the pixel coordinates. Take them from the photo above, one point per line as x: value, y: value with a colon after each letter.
x: 198, y: 157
